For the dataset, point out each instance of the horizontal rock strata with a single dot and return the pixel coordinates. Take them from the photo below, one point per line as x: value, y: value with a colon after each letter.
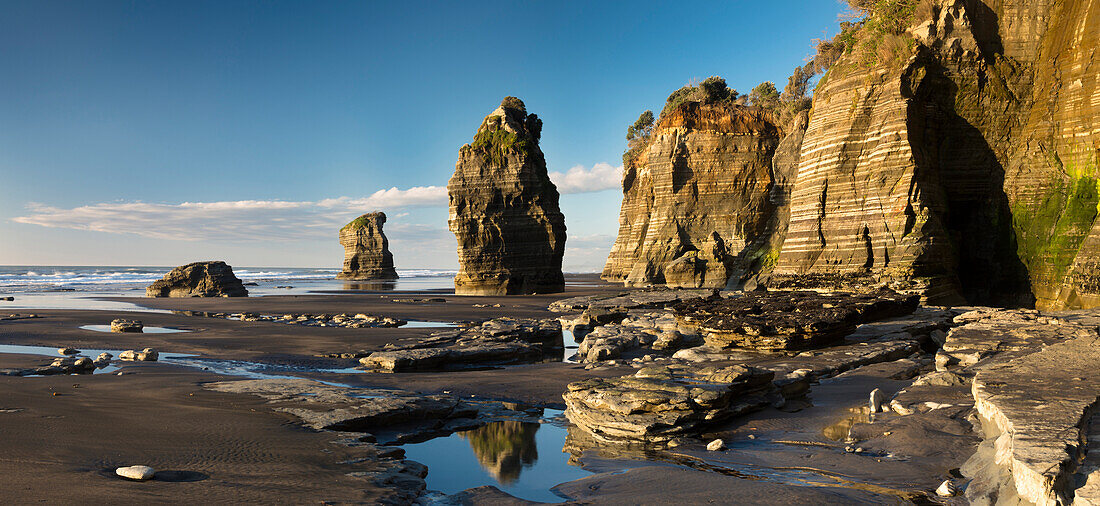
x: 659, y: 403
x: 366, y: 249
x: 198, y: 279
x: 962, y: 162
x: 696, y: 205
x: 504, y: 209
x: 775, y: 320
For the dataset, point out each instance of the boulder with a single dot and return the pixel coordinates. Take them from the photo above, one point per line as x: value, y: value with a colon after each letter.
x: 504, y: 209
x: 123, y: 325
x: 198, y: 279
x: 366, y: 250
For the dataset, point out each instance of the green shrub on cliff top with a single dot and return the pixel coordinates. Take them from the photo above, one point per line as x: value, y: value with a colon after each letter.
x: 712, y: 90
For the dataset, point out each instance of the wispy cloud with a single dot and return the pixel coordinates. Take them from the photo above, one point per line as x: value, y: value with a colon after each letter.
x: 602, y: 176
x: 417, y: 196
x: 270, y: 220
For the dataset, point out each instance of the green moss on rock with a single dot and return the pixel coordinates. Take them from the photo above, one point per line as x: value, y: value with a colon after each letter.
x: 1051, y: 232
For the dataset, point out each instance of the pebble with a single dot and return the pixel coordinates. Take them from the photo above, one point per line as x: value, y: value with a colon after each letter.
x: 947, y: 489
x: 139, y: 473
x: 716, y: 445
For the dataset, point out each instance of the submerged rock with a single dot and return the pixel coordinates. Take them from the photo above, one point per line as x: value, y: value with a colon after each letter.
x: 146, y: 355
x: 504, y: 209
x: 198, y: 279
x: 366, y: 249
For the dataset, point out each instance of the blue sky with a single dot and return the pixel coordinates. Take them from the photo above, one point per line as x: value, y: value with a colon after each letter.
x: 157, y: 133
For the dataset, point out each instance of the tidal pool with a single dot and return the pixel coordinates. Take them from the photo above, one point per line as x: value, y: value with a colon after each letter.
x: 144, y: 330
x: 524, y: 459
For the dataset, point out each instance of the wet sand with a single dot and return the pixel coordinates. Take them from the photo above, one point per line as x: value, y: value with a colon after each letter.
x: 65, y: 435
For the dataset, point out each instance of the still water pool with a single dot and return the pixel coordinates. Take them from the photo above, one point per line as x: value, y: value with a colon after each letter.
x: 521, y: 458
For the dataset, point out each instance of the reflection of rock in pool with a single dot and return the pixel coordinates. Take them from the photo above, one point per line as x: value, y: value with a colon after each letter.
x: 839, y: 430
x: 504, y: 448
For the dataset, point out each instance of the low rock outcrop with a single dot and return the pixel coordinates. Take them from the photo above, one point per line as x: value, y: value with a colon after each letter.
x: 499, y: 341
x: 659, y: 403
x: 504, y: 209
x: 776, y: 320
x: 124, y: 325
x: 198, y: 279
x: 366, y: 250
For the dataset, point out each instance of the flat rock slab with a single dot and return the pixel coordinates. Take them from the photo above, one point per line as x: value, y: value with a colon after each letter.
x: 350, y: 409
x: 498, y: 341
x: 1040, y: 404
x: 1006, y: 334
x: 777, y: 321
x: 639, y: 299
x: 659, y: 403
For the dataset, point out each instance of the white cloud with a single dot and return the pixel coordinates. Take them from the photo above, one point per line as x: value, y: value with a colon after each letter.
x: 241, y: 220
x: 601, y: 176
x: 417, y: 196
x: 274, y: 220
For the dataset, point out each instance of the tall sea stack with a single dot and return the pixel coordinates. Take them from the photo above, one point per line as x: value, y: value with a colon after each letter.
x: 504, y: 209
x: 696, y: 209
x: 366, y: 249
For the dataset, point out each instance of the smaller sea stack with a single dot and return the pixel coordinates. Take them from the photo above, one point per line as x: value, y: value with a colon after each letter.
x: 366, y: 250
x: 198, y: 279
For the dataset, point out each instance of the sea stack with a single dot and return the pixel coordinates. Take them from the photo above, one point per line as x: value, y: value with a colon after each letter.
x: 366, y: 250
x: 198, y: 279
x: 504, y: 209
x: 696, y: 208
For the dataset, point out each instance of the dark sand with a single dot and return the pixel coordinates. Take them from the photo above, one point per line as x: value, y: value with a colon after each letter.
x: 236, y: 449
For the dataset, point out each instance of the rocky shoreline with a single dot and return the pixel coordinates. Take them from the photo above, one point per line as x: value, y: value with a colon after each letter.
x: 996, y: 403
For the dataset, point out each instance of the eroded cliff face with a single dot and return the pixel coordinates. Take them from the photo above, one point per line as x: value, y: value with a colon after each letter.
x: 366, y: 249
x: 696, y: 202
x: 504, y: 209
x: 963, y: 166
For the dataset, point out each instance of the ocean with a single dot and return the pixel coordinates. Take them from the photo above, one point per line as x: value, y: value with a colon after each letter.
x: 80, y: 287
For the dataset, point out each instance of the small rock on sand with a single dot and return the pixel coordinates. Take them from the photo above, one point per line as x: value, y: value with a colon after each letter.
x: 716, y: 445
x: 139, y: 473
x: 146, y: 355
x: 877, y: 401
x: 947, y: 489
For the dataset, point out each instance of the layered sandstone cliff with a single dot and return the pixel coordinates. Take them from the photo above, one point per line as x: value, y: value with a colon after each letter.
x: 697, y: 200
x: 504, y: 209
x: 958, y: 158
x: 366, y: 249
